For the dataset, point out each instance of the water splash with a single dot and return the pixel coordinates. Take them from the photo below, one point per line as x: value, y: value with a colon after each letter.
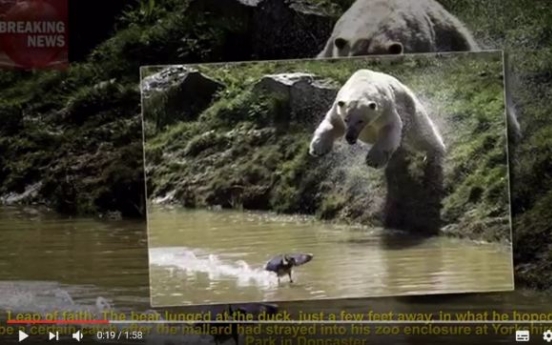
x: 215, y: 266
x: 45, y: 297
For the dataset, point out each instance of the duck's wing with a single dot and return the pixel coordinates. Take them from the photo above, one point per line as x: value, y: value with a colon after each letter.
x: 272, y: 264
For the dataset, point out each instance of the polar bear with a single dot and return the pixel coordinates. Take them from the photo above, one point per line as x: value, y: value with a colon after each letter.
x: 381, y: 27
x: 379, y: 110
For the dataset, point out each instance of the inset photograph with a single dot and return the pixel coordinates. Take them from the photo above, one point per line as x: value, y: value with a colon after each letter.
x: 327, y: 178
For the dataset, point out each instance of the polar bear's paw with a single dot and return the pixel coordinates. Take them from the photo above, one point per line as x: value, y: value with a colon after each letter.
x: 319, y: 147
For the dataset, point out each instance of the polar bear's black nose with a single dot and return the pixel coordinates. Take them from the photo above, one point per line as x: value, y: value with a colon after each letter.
x: 351, y: 139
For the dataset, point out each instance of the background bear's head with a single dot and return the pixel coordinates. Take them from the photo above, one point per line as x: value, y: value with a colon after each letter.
x: 365, y: 46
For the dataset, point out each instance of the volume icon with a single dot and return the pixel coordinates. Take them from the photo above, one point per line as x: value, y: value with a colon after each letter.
x: 77, y: 336
x: 53, y: 336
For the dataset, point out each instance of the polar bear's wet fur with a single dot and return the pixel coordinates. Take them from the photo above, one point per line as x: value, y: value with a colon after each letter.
x: 379, y: 110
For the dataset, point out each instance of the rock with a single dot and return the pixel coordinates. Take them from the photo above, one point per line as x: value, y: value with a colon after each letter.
x: 187, y: 93
x: 168, y: 77
x: 308, y: 97
x: 29, y: 195
x: 304, y: 30
x: 104, y: 84
x: 165, y: 198
x: 249, y: 27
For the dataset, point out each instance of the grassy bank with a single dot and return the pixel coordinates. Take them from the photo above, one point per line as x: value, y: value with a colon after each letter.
x: 71, y: 140
x: 531, y: 167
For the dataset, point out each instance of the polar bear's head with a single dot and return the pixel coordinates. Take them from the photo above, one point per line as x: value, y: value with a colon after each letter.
x: 357, y: 114
x: 364, y: 46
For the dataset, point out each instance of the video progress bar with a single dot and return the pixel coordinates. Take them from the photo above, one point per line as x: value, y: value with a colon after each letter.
x: 58, y: 322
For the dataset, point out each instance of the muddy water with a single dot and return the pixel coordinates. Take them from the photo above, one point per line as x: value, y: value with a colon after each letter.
x: 53, y: 261
x: 199, y: 257
x: 48, y: 262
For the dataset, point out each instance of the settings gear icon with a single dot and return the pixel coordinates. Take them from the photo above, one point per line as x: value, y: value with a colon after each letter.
x: 547, y: 336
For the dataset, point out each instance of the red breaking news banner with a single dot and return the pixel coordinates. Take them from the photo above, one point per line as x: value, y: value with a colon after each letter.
x: 33, y: 33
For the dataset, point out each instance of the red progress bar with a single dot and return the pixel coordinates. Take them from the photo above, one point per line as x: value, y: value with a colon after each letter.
x: 58, y: 322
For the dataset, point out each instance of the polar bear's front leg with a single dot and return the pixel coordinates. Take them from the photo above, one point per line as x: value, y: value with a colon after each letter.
x: 330, y: 129
x: 389, y: 140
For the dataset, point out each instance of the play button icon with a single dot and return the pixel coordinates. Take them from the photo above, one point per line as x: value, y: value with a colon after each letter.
x: 22, y: 336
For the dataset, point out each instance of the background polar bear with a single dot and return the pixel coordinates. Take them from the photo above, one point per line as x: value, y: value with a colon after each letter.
x: 379, y: 110
x: 396, y: 27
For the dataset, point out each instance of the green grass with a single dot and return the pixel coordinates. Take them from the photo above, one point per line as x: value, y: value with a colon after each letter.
x: 79, y: 137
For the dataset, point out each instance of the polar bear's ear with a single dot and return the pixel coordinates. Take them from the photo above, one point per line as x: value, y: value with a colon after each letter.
x: 372, y: 105
x: 340, y: 43
x: 395, y: 48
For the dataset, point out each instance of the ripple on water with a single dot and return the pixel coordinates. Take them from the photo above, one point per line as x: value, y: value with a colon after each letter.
x: 45, y: 297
